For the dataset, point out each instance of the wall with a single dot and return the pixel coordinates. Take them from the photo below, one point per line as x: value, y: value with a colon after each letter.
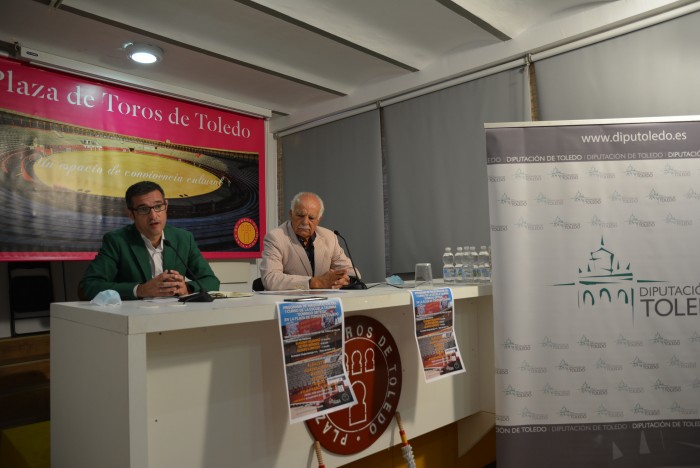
x: 641, y: 74
x: 433, y: 146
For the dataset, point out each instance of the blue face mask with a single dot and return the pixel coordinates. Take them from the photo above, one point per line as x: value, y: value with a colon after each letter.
x: 108, y: 297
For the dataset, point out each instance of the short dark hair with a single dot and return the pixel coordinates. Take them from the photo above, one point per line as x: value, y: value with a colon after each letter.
x: 141, y: 188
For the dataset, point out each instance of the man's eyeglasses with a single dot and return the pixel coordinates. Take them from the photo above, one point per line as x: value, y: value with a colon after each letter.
x: 144, y: 210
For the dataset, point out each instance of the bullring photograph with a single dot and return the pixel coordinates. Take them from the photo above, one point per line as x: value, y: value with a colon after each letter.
x: 62, y: 182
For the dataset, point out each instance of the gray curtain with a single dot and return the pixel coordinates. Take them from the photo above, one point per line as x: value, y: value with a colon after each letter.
x: 436, y: 166
x: 341, y: 161
x: 646, y: 73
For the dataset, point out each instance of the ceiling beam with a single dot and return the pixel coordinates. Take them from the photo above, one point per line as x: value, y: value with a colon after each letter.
x: 458, y: 8
x: 326, y: 34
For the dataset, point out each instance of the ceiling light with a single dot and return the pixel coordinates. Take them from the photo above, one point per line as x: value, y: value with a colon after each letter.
x: 143, y: 53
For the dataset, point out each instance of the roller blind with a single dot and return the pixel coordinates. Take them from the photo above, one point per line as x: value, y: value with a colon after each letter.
x: 341, y: 161
x: 436, y: 166
x: 646, y: 73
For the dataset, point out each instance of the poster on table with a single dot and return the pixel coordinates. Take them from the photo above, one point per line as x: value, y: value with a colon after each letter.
x: 433, y: 311
x: 312, y: 340
x: 70, y: 147
x: 596, y: 292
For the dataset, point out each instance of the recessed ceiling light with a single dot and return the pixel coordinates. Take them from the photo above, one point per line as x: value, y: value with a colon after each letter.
x: 143, y: 53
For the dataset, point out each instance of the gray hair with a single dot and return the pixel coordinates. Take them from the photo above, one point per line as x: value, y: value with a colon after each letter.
x: 297, y: 199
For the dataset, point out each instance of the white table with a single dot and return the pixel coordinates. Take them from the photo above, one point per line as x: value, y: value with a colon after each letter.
x: 202, y: 385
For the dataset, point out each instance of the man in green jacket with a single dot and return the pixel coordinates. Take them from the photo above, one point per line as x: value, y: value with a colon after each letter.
x: 147, y: 258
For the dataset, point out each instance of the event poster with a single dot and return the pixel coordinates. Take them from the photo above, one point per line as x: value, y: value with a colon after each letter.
x: 434, y: 324
x: 595, y: 229
x: 71, y: 146
x: 313, y: 346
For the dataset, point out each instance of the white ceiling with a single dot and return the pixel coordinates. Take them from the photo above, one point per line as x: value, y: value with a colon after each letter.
x: 305, y: 59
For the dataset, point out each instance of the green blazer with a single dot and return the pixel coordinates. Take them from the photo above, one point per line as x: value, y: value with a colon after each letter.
x: 123, y: 262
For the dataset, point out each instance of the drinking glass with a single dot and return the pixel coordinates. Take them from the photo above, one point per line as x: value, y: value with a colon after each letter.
x: 424, y: 276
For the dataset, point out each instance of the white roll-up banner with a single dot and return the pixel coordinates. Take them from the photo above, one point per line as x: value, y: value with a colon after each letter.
x: 595, y: 232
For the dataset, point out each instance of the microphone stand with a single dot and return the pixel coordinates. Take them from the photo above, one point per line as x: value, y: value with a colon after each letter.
x: 200, y: 296
x: 357, y: 283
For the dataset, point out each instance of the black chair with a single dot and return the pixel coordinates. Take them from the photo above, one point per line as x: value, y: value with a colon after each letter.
x: 31, y: 295
x: 258, y: 285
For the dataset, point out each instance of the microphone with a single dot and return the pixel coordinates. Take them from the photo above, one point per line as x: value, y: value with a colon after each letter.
x: 357, y: 283
x: 200, y: 296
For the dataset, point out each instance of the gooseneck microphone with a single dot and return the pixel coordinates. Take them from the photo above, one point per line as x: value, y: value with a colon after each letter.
x: 357, y: 283
x: 200, y: 296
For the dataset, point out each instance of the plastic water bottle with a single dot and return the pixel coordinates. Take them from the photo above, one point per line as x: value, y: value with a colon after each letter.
x: 448, y: 266
x: 459, y: 266
x: 484, y: 265
x: 490, y: 262
x: 467, y: 266
x: 476, y: 273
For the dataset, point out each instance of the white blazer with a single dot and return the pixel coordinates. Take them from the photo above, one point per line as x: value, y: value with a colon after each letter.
x: 285, y: 264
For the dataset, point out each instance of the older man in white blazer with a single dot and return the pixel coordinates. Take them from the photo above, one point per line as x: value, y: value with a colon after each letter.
x: 300, y: 254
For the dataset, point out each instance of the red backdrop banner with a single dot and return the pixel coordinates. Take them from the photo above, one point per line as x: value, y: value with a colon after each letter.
x: 70, y: 146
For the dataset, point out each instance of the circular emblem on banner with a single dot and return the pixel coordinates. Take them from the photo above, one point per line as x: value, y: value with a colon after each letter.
x: 245, y: 232
x: 374, y: 366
